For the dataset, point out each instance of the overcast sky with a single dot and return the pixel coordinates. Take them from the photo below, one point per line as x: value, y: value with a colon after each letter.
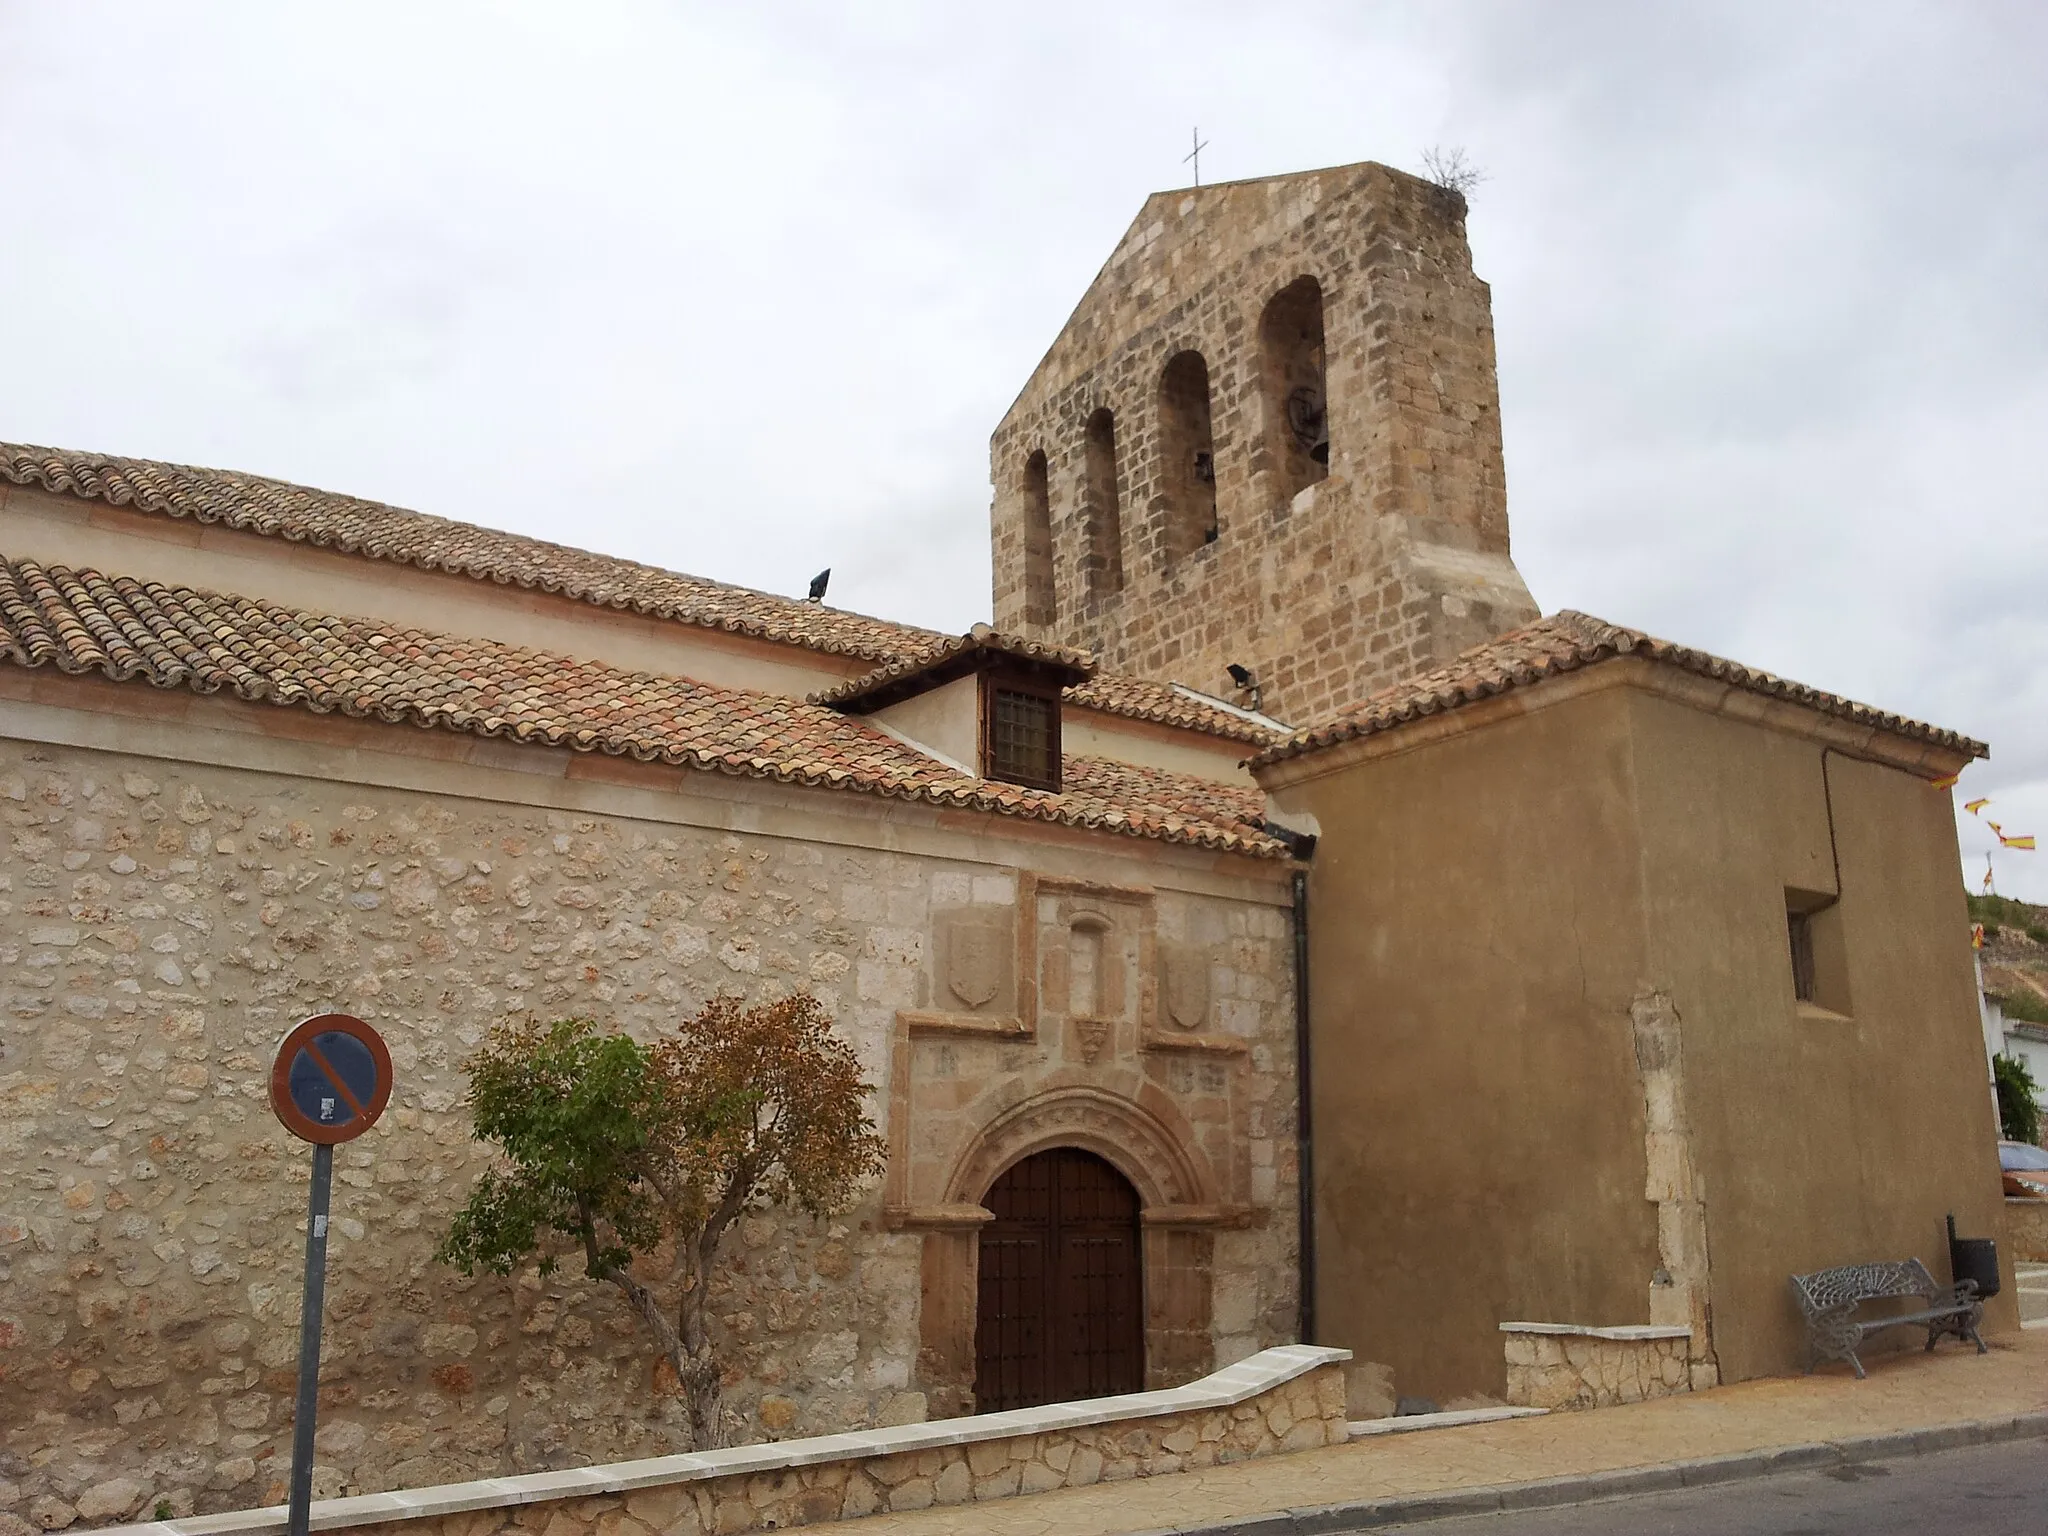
x: 743, y: 289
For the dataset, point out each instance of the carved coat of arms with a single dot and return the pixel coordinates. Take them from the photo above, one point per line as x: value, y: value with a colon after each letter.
x: 1187, y: 988
x: 974, y: 964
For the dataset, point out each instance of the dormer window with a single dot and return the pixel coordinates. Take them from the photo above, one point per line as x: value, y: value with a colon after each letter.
x: 1021, y: 739
x: 984, y: 704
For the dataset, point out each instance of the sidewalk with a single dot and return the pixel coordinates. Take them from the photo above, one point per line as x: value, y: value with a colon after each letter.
x: 1906, y: 1391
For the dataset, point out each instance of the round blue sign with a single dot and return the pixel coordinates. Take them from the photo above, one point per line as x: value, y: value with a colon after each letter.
x: 331, y: 1079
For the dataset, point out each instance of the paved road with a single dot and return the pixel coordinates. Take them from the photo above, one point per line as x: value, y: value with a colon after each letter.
x: 2033, y: 1291
x: 1985, y: 1490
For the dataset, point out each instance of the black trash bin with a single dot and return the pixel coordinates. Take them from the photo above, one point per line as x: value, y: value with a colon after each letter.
x: 1973, y: 1258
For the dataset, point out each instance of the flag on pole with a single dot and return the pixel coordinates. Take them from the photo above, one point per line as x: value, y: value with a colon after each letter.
x: 2026, y: 842
x: 1974, y: 806
x: 1976, y: 935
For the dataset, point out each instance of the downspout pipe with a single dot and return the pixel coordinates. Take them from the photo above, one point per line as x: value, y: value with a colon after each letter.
x: 1303, y: 846
x: 1304, y: 1140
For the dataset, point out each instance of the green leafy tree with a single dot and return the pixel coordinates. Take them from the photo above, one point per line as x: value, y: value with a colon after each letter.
x: 641, y: 1158
x: 2019, y: 1102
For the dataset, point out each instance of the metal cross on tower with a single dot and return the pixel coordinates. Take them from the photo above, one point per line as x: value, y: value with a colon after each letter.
x: 1195, y: 155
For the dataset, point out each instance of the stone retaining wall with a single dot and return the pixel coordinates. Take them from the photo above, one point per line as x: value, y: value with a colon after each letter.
x: 1285, y: 1399
x: 1563, y: 1365
x: 2026, y: 1230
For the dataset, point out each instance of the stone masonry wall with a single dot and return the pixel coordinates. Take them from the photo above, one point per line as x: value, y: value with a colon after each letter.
x: 161, y: 926
x: 2026, y: 1230
x: 1394, y: 562
x: 1302, y: 1414
x: 1595, y: 1368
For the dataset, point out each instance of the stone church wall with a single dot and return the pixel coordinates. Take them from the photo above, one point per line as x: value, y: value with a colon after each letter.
x: 162, y: 924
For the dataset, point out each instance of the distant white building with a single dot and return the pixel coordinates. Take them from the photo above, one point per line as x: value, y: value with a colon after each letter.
x: 2014, y: 1037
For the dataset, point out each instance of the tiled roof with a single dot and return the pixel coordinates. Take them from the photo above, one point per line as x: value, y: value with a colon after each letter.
x: 1565, y: 642
x: 955, y: 657
x: 375, y: 531
x: 1141, y: 699
x: 1171, y: 798
x: 84, y: 622
x: 379, y: 532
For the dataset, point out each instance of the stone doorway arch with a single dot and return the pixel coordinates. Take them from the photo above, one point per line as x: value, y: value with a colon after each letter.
x: 1178, y: 1210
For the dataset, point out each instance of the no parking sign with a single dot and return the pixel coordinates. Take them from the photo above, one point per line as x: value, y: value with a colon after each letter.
x: 331, y: 1079
x: 328, y: 1084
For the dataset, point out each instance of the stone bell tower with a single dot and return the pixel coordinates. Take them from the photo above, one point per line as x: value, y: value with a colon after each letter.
x: 1268, y: 439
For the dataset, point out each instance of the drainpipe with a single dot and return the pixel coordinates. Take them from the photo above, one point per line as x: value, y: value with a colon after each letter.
x: 1304, y: 1142
x: 1303, y: 846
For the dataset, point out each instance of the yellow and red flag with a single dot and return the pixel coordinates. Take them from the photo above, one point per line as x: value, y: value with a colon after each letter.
x: 1946, y: 783
x: 1976, y: 935
x: 2026, y: 841
x: 1974, y: 806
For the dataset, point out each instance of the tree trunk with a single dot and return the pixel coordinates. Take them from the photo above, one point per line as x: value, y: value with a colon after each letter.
x: 696, y: 1372
x: 696, y: 1367
x: 704, y: 1395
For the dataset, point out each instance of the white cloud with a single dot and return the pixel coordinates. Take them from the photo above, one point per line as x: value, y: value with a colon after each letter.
x: 743, y: 290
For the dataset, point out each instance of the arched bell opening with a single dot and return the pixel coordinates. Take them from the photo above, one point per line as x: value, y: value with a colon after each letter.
x: 1040, y: 607
x: 1187, y: 455
x: 1102, y: 560
x: 1291, y: 369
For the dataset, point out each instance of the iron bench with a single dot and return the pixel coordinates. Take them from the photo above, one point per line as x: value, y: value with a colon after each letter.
x: 1829, y: 1299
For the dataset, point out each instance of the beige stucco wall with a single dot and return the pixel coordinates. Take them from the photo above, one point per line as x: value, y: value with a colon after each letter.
x: 944, y: 721
x: 1822, y: 1140
x: 168, y: 909
x: 1556, y: 1050
x: 1091, y: 733
x: 1475, y: 940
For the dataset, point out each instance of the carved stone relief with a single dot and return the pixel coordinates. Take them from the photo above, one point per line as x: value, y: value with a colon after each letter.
x: 1057, y: 1022
x: 1186, y: 984
x: 1095, y: 944
x: 977, y: 953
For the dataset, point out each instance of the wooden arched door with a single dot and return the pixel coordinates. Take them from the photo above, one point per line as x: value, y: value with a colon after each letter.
x: 1061, y: 1296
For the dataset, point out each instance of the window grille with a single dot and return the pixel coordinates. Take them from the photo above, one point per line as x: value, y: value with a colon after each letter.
x: 1023, y: 739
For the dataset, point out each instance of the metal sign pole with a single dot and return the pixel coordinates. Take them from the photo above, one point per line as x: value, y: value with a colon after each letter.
x: 329, y: 1082
x: 310, y: 1309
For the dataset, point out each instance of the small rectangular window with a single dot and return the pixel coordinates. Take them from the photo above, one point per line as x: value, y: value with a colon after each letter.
x: 1023, y: 738
x: 1819, y: 952
x: 1800, y: 927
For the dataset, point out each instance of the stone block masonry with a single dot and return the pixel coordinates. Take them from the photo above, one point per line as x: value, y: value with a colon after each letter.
x: 1561, y: 1365
x: 1287, y: 1399
x: 1348, y: 291
x: 162, y: 923
x: 2026, y: 1230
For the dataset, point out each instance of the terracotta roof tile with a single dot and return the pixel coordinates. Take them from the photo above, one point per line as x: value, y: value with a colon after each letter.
x: 956, y: 655
x: 1566, y: 642
x: 376, y: 531
x: 82, y: 621
x: 1141, y: 699
x: 1169, y: 797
